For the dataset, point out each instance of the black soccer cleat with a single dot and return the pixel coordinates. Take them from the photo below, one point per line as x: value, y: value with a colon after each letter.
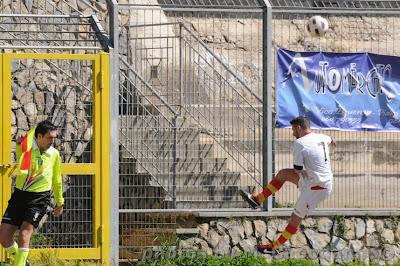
x: 249, y: 199
x: 27, y: 263
x: 266, y: 248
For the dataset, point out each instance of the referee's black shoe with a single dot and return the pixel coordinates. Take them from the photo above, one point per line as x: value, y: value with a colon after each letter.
x: 249, y: 199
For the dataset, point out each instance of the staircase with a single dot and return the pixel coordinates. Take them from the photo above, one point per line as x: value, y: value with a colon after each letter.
x: 201, y: 142
x: 186, y: 174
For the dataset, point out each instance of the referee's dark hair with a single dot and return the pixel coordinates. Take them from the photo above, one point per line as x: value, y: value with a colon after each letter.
x: 44, y: 127
x: 301, y: 121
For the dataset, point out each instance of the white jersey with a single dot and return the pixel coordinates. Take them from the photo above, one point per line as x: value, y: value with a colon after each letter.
x: 311, y: 153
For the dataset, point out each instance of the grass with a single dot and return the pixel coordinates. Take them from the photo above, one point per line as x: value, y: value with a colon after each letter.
x: 198, y: 259
x: 49, y: 258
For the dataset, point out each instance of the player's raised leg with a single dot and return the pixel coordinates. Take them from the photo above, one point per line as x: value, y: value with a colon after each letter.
x: 255, y: 200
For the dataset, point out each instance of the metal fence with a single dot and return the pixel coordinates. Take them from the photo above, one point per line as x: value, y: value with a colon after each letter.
x: 61, y: 7
x: 190, y: 116
x: 196, y: 102
x: 51, y: 33
x: 365, y: 173
x: 206, y: 61
x: 61, y: 88
x: 192, y: 69
x: 201, y: 78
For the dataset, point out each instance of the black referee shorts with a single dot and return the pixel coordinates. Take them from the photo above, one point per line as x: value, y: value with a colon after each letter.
x: 26, y: 206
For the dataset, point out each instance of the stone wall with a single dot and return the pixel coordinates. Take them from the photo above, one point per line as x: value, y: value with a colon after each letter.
x: 325, y: 240
x: 45, y: 89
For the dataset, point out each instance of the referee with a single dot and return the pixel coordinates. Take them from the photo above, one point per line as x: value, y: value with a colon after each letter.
x: 38, y: 172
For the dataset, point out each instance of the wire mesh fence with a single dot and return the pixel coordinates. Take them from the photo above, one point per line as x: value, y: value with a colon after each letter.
x: 218, y: 113
x: 141, y: 231
x: 365, y: 175
x: 73, y: 229
x: 197, y: 86
x: 190, y: 128
x: 81, y: 8
x: 48, y: 33
x: 51, y: 26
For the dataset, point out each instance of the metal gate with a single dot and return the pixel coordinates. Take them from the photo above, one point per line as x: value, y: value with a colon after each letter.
x: 71, y: 90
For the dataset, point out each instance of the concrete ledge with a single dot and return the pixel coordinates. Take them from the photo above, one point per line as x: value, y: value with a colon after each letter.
x: 274, y: 213
x: 187, y: 231
x: 288, y: 212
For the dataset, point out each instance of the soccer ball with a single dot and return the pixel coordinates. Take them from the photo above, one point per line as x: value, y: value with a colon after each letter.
x: 317, y: 26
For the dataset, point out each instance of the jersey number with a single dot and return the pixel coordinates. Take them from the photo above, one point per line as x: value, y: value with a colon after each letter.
x: 323, y: 146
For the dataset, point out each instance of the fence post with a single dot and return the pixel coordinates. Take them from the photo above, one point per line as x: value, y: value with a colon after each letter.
x: 114, y: 133
x: 267, y: 148
x: 174, y: 161
x: 181, y: 70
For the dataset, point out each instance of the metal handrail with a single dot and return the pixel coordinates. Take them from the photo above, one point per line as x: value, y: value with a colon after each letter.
x: 213, y: 135
x: 170, y: 123
x: 205, y: 46
x: 34, y: 48
x: 148, y: 86
x: 225, y: 80
x: 227, y: 68
x: 252, y: 117
x: 210, y: 123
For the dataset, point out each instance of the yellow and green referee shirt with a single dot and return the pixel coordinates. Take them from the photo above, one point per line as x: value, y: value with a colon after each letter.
x: 36, y: 171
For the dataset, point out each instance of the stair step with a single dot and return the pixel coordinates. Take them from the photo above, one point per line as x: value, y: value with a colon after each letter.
x: 194, y: 190
x: 228, y: 116
x: 187, y: 180
x: 136, y: 137
x: 147, y: 121
x: 182, y: 165
x: 181, y: 150
x: 202, y: 165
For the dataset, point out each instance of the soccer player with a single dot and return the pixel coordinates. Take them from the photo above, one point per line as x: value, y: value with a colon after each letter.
x: 38, y: 172
x: 311, y: 173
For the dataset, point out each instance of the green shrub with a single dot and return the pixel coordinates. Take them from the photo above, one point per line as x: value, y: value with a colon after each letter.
x: 39, y: 240
x: 198, y: 259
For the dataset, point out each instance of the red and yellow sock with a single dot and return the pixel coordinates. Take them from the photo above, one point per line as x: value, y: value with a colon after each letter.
x: 285, y: 236
x: 270, y: 189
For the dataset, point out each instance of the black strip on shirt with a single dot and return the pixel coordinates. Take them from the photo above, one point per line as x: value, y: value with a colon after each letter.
x: 297, y: 167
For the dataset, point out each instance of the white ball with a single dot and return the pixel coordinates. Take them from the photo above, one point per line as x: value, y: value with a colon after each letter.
x: 317, y: 26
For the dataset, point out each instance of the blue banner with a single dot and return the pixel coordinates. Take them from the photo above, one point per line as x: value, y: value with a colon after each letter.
x: 342, y: 91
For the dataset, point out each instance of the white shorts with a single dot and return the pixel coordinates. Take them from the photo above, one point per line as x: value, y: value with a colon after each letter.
x: 310, y: 196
